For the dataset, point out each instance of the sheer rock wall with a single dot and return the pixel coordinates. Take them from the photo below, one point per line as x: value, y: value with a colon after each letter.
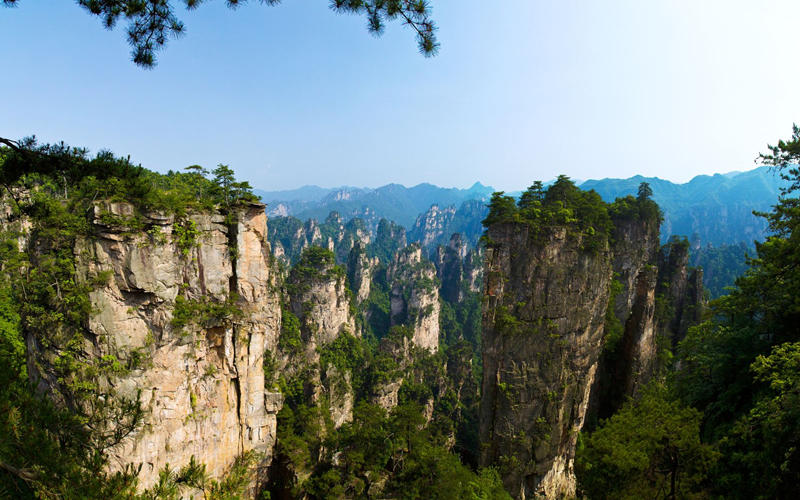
x: 545, y: 302
x: 201, y: 386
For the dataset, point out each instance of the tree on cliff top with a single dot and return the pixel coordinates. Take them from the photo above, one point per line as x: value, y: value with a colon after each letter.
x: 152, y: 22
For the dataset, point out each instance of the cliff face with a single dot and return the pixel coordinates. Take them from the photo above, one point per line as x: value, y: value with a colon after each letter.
x: 290, y: 236
x: 449, y: 261
x: 545, y: 302
x: 629, y: 354
x: 680, y: 291
x: 197, y: 369
x: 569, y: 334
x: 414, y: 298
x: 360, y: 271
x: 319, y: 299
x: 635, y: 245
x: 431, y: 225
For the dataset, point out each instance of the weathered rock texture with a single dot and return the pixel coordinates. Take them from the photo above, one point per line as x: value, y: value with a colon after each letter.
x: 290, y: 236
x: 459, y: 268
x: 434, y: 226
x: 360, y: 271
x: 320, y: 301
x: 628, y: 362
x: 431, y: 225
x: 550, y: 359
x: 680, y: 291
x: 545, y: 302
x: 414, y: 298
x: 449, y: 261
x: 323, y: 308
x: 201, y: 385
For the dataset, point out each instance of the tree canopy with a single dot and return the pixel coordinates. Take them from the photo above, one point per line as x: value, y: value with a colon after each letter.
x: 727, y: 420
x: 150, y: 23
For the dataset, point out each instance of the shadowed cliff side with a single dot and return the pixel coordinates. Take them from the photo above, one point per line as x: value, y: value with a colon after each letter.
x: 542, y: 337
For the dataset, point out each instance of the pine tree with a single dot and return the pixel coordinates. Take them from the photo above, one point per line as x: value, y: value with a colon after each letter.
x: 150, y: 23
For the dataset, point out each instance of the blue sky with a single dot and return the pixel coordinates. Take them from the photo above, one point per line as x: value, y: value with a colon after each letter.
x: 521, y: 90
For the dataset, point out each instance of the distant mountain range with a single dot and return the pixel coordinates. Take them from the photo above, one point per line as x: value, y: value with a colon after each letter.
x: 709, y: 209
x: 392, y: 201
x: 715, y: 209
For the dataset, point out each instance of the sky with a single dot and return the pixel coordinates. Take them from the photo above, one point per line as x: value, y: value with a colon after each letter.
x: 521, y: 90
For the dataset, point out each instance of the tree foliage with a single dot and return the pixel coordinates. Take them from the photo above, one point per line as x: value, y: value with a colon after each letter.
x: 151, y: 23
x: 651, y: 448
x: 564, y: 205
x: 57, y: 447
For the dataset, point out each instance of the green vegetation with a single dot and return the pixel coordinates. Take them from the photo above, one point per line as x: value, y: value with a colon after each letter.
x: 727, y: 422
x: 392, y: 454
x: 316, y: 264
x: 721, y: 266
x: 290, y: 339
x: 613, y: 329
x: 203, y: 312
x: 564, y: 205
x: 58, y: 450
x: 649, y: 449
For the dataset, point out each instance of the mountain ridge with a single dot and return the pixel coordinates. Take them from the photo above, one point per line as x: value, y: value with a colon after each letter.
x: 716, y: 209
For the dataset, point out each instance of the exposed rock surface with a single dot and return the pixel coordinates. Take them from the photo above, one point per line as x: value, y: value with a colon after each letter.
x: 552, y: 353
x: 319, y: 298
x: 449, y: 261
x: 432, y: 224
x: 628, y: 362
x: 290, y: 236
x: 323, y: 308
x: 201, y: 384
x: 635, y: 246
x: 414, y: 298
x: 545, y: 302
x: 360, y: 271
x: 680, y: 288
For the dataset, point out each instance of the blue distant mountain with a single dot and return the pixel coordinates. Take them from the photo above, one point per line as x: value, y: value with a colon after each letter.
x: 713, y: 209
x: 393, y: 201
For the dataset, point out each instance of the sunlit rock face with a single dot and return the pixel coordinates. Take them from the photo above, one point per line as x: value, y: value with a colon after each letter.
x: 200, y: 383
x: 414, y: 298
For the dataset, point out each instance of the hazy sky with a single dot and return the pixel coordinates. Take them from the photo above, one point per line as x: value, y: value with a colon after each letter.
x: 521, y: 90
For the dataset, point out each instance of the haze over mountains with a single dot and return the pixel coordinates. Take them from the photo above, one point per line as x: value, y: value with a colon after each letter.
x: 709, y: 209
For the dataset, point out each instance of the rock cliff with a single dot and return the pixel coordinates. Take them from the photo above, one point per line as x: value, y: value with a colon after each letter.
x: 414, y: 298
x: 360, y: 271
x: 568, y: 334
x: 186, y: 309
x: 545, y: 302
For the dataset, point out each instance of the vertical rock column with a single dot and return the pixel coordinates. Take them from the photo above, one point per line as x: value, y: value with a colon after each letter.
x: 201, y: 381
x: 544, y: 306
x: 414, y: 298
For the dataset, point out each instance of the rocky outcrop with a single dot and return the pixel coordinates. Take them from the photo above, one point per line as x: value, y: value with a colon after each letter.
x: 414, y: 297
x: 434, y: 226
x: 319, y: 300
x: 473, y: 269
x: 290, y: 236
x: 189, y: 308
x: 679, y: 291
x: 360, y: 271
x: 449, y: 261
x: 545, y: 302
x: 630, y: 345
x: 431, y: 225
x: 568, y: 335
x: 635, y: 246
